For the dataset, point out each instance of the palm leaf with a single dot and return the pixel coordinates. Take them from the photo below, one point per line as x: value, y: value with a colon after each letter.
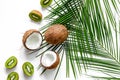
x: 93, y: 34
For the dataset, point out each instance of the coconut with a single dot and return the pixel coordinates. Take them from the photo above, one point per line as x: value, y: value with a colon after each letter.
x: 32, y: 39
x: 50, y: 60
x: 56, y: 34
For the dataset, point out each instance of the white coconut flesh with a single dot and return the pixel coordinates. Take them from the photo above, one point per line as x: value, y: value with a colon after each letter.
x: 34, y: 41
x: 48, y: 58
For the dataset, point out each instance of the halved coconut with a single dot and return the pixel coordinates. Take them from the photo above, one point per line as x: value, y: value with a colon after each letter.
x: 32, y: 39
x: 50, y: 60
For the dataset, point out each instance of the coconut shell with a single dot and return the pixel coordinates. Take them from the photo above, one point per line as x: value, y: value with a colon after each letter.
x: 54, y: 65
x: 26, y: 35
x: 56, y: 34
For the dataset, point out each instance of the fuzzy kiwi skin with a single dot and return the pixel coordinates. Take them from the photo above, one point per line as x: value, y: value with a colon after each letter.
x: 26, y: 35
x: 56, y: 34
x: 54, y: 65
x: 44, y: 5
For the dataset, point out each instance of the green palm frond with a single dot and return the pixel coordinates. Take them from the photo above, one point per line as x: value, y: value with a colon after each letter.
x: 105, y: 78
x: 93, y: 41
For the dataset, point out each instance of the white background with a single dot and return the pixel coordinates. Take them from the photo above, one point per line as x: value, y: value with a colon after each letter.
x: 14, y: 21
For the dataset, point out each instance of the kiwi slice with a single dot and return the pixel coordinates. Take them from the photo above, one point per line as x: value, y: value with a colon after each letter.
x: 45, y: 3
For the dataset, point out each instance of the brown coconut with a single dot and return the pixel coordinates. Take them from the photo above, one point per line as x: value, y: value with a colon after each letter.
x: 56, y: 34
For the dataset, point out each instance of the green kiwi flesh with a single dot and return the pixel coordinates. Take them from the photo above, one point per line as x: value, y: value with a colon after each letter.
x: 45, y: 3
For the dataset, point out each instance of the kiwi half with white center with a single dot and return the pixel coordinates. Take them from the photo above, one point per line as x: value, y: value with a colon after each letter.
x: 50, y: 60
x: 35, y: 15
x: 45, y: 3
x: 32, y: 39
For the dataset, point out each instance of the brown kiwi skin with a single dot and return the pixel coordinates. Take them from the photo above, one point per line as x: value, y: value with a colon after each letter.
x: 56, y: 34
x: 26, y: 35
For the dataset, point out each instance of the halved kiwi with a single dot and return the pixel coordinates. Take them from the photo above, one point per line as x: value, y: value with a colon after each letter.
x: 35, y: 15
x: 45, y: 3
